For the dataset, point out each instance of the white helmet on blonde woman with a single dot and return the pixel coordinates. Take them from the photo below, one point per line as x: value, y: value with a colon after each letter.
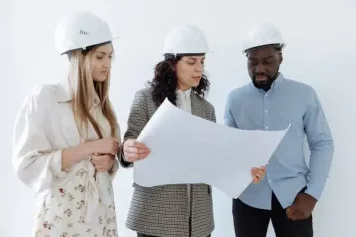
x: 80, y: 30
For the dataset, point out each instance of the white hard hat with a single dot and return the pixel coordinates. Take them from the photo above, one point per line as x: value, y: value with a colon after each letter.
x: 80, y: 30
x: 185, y: 39
x: 265, y: 34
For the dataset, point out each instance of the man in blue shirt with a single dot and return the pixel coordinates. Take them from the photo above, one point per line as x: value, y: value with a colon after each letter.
x: 290, y: 189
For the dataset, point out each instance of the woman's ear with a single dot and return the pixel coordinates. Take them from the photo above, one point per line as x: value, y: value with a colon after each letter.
x: 174, y: 66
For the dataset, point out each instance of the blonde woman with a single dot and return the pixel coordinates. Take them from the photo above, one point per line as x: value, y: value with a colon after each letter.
x: 66, y: 137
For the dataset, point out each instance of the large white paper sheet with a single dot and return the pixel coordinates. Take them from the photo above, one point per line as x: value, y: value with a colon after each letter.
x: 188, y: 149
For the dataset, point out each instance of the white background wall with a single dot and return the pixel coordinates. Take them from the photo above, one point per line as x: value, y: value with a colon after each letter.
x: 321, y: 51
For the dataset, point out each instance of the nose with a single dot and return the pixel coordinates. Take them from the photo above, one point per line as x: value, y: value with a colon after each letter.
x: 107, y: 63
x: 260, y: 69
x: 200, y: 67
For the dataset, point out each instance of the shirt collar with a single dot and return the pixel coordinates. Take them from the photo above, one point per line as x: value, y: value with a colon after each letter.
x: 277, y: 84
x: 184, y: 94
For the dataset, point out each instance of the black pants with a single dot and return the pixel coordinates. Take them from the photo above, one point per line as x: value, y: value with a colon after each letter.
x: 253, y: 222
x: 143, y: 235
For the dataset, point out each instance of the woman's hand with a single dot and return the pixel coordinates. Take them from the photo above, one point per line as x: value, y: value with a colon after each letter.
x: 107, y: 145
x: 103, y: 163
x: 134, y: 150
x: 75, y: 154
x: 258, y: 174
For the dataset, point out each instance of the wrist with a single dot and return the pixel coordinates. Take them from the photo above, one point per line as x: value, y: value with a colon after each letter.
x: 124, y: 157
x: 86, y: 149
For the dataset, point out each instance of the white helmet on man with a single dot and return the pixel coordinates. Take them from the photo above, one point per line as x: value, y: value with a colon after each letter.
x: 80, y: 30
x: 185, y: 39
x: 265, y: 34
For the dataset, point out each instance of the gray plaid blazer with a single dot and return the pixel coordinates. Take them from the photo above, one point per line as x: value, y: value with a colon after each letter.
x: 164, y: 210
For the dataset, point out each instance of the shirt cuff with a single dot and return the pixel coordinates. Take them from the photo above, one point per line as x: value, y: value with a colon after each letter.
x: 122, y: 159
x: 314, y: 191
x: 55, y: 164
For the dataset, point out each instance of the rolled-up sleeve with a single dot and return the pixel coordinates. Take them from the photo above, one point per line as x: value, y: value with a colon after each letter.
x: 321, y: 147
x: 35, y: 162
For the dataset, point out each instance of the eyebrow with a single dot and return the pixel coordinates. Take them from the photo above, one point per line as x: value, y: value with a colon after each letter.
x: 104, y: 52
x: 255, y: 59
x: 191, y: 58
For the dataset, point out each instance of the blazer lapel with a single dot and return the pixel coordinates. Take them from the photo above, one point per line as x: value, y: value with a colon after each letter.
x: 197, y: 108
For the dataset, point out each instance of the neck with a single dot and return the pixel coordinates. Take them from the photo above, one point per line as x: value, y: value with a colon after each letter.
x: 183, y: 88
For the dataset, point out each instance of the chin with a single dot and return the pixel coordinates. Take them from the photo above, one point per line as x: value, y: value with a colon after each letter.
x: 195, y: 84
x: 100, y: 79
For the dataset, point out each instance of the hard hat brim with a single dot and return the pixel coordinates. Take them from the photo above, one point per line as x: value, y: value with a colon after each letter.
x: 85, y: 46
x: 281, y: 46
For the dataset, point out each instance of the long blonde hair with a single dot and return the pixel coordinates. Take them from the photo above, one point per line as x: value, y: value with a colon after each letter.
x: 83, y: 93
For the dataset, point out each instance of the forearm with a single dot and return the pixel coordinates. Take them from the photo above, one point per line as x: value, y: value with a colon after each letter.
x: 75, y: 154
x: 321, y: 146
x: 319, y: 166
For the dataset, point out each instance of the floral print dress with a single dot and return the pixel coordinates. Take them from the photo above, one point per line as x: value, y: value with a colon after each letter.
x: 77, y: 202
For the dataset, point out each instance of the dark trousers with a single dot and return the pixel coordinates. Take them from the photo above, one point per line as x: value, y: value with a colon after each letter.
x: 253, y: 222
x: 143, y: 235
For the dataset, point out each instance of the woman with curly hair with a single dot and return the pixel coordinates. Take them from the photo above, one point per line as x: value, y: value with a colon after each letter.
x: 183, y: 210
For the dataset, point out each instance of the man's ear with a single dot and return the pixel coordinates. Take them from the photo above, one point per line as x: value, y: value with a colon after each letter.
x: 280, y: 58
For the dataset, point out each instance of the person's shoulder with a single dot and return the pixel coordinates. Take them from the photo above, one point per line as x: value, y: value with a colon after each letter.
x: 297, y: 84
x: 241, y: 92
x: 143, y: 94
x: 299, y: 87
x: 38, y: 98
x: 42, y: 93
x: 145, y: 91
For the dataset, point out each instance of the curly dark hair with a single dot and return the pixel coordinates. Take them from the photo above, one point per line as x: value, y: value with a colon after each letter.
x: 165, y: 82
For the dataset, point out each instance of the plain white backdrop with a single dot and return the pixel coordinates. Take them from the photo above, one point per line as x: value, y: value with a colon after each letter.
x: 321, y: 52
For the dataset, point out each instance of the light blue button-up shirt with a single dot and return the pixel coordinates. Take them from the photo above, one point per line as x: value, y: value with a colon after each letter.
x: 287, y: 173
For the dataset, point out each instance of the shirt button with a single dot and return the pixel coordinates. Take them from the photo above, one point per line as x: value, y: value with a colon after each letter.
x: 270, y: 181
x: 266, y: 127
x: 266, y: 95
x: 266, y: 111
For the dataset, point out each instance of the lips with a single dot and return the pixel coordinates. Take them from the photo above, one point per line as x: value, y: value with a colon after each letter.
x: 261, y: 77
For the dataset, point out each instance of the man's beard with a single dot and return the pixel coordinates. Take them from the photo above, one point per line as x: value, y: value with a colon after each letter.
x: 266, y: 84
